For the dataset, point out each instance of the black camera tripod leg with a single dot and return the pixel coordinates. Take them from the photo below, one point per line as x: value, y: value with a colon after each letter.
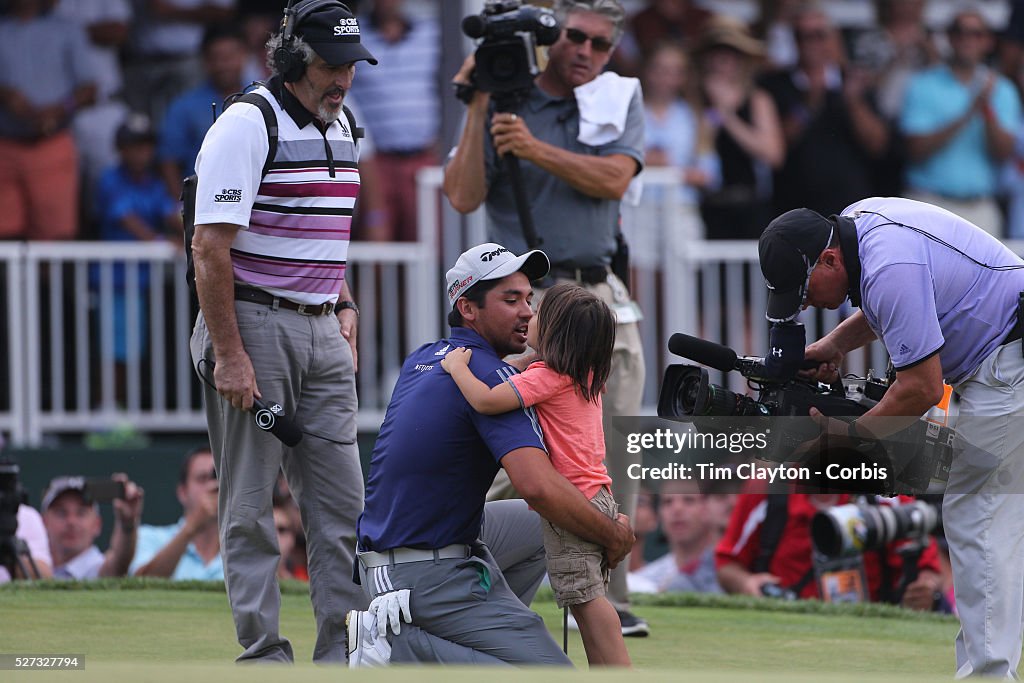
x: 522, y: 203
x: 506, y: 103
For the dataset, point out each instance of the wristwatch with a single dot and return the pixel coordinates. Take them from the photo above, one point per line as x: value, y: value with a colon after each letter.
x: 342, y: 305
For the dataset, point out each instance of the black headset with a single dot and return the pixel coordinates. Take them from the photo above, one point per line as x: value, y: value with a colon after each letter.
x: 288, y: 61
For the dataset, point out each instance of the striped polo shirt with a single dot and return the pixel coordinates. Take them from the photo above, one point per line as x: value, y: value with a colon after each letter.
x: 296, y: 222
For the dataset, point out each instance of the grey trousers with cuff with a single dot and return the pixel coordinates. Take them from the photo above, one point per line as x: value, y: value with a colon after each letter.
x: 303, y: 363
x: 474, y: 610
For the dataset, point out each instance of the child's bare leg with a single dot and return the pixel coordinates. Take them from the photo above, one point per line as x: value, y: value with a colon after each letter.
x: 601, y: 632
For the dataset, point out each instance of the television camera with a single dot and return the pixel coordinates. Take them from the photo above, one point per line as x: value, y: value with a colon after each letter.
x: 13, y: 551
x: 912, y: 458
x: 506, y: 61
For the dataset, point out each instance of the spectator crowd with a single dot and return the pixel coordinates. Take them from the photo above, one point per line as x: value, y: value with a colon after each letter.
x: 757, y: 119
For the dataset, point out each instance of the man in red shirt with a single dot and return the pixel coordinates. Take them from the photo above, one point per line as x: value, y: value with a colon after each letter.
x: 743, y: 569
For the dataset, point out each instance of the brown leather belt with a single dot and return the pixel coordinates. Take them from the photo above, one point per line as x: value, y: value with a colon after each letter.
x: 258, y: 296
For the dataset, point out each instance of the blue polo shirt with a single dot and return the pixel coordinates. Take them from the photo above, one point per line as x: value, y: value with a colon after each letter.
x: 152, y: 539
x: 963, y: 167
x: 435, y: 456
x: 185, y: 124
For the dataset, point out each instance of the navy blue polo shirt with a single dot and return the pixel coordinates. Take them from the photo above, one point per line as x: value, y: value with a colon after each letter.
x: 435, y: 456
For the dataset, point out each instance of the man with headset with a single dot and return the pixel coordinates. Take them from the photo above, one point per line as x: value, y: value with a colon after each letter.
x: 943, y: 296
x: 278, y: 320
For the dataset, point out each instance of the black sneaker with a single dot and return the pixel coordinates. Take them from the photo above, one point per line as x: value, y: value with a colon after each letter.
x: 632, y: 625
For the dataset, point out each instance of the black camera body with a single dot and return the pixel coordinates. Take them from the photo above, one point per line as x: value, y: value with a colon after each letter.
x: 12, y: 495
x: 506, y: 62
x: 911, y: 459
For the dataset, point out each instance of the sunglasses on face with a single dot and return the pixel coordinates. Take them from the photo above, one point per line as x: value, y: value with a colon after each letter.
x: 597, y: 43
x: 968, y: 33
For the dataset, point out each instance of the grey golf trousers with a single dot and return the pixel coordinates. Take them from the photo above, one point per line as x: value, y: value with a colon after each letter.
x: 474, y: 610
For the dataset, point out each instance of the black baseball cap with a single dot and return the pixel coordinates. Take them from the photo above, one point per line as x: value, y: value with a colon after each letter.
x: 136, y: 128
x: 333, y: 33
x: 788, y: 248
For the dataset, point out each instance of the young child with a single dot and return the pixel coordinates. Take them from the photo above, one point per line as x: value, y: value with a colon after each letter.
x: 573, y: 333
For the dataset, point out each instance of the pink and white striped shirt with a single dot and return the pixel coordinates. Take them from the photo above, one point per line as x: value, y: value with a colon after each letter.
x: 296, y: 222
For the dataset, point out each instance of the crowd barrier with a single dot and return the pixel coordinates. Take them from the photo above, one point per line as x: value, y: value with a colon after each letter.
x: 68, y: 372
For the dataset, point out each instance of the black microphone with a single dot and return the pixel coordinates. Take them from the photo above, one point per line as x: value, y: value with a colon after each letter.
x: 271, y: 418
x: 268, y: 418
x: 704, y: 352
x: 725, y: 359
x: 474, y: 26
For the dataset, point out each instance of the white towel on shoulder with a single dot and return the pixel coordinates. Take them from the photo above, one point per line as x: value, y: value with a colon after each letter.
x: 603, y: 104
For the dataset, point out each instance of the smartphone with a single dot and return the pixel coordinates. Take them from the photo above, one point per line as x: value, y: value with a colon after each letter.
x: 103, y: 490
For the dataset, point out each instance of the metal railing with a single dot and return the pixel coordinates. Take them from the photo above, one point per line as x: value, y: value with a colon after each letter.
x: 72, y: 368
x: 65, y: 372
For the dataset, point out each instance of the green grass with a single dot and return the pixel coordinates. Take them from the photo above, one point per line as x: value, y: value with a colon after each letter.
x: 149, y: 630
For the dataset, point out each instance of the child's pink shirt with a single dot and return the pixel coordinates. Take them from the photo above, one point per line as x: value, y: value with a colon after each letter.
x: 572, y: 426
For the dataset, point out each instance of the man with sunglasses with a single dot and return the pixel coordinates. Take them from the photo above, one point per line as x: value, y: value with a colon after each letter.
x: 574, y: 189
x: 943, y: 296
x: 959, y: 119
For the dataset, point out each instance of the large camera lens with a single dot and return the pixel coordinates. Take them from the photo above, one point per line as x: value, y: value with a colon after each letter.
x: 851, y: 529
x: 687, y: 392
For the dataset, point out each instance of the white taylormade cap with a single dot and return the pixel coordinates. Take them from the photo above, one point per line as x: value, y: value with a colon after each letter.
x: 491, y: 261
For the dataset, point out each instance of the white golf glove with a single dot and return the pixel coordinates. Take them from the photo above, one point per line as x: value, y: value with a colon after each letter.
x: 388, y: 607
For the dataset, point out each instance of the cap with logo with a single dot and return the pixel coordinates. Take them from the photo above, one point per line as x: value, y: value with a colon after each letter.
x: 333, y: 33
x: 788, y: 249
x: 60, y: 486
x: 492, y: 261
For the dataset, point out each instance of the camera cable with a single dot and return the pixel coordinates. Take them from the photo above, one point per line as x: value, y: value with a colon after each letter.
x: 933, y: 238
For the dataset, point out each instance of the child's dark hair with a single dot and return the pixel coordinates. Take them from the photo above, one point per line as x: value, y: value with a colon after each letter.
x: 576, y: 336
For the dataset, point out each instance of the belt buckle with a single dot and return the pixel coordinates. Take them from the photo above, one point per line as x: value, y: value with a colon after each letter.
x: 313, y: 309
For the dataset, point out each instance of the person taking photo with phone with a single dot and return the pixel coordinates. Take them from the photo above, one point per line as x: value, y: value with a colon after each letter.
x: 71, y: 515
